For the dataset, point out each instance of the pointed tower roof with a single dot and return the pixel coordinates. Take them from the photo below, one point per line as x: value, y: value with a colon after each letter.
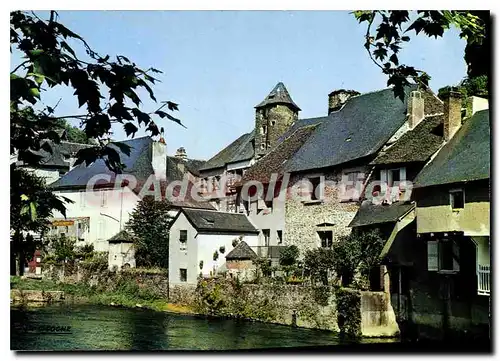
x: 279, y: 95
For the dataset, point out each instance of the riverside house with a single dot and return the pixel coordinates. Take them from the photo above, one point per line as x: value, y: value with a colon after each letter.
x: 333, y: 154
x: 102, y: 210
x: 199, y: 240
x: 451, y: 256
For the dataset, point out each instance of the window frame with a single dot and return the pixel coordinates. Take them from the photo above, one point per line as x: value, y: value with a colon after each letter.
x: 438, y: 248
x: 327, y: 240
x: 183, y: 240
x: 181, y: 271
x: 266, y: 236
x: 452, y: 199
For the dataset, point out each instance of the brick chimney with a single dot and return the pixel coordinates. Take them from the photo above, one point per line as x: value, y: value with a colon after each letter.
x: 415, y: 109
x: 337, y: 98
x: 452, y: 113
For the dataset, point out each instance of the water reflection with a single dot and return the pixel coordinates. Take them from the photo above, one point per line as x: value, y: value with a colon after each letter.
x: 109, y: 328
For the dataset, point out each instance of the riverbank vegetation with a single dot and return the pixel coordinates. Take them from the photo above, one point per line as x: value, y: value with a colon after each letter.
x: 127, y: 292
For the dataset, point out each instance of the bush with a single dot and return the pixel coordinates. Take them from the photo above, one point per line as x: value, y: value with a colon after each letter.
x: 319, y: 262
x: 98, y: 262
x: 349, y: 312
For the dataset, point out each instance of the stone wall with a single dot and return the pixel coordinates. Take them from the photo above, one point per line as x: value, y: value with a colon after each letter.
x: 275, y: 120
x: 294, y: 305
x: 302, y: 217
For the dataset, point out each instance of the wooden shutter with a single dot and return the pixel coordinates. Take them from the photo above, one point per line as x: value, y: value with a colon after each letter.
x: 456, y: 257
x: 432, y: 256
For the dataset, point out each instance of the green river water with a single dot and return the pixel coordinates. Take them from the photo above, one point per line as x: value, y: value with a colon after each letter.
x: 67, y: 327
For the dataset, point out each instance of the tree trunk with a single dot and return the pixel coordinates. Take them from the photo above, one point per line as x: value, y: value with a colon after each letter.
x: 18, y: 253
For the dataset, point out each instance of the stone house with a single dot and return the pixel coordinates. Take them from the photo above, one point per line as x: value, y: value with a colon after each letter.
x: 239, y: 262
x: 199, y: 239
x: 273, y: 117
x: 102, y: 210
x: 320, y: 154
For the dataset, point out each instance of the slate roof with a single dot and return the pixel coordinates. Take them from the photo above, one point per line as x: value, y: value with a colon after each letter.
x: 359, y: 129
x: 466, y: 157
x: 416, y: 145
x: 239, y: 150
x: 214, y: 221
x: 275, y: 161
x: 370, y: 213
x: 138, y: 164
x: 242, y: 251
x: 122, y: 236
x: 59, y: 157
x: 279, y: 95
x: 302, y: 123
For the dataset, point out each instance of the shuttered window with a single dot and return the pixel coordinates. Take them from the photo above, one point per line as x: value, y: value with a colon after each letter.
x: 432, y: 256
x: 443, y: 255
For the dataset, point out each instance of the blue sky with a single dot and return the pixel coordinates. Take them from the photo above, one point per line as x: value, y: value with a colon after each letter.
x: 219, y: 64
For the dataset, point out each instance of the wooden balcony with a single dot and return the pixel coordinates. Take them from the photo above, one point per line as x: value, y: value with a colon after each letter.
x: 483, y: 280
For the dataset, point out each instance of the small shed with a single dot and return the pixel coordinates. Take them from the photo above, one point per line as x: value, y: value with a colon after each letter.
x: 121, y: 251
x: 239, y: 262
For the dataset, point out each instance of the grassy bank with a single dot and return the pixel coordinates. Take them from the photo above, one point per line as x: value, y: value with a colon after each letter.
x: 126, y: 293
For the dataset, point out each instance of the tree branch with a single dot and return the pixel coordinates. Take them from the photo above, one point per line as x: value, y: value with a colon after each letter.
x: 20, y: 65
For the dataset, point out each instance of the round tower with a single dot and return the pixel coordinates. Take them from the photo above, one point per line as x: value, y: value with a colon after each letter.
x: 273, y: 116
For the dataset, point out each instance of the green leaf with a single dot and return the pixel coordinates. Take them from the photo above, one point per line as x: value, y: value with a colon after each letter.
x: 65, y: 46
x: 175, y: 120
x: 161, y: 113
x: 24, y: 197
x: 33, y: 212
x: 172, y: 106
x: 35, y: 92
x: 394, y: 59
x: 130, y: 128
x: 124, y: 148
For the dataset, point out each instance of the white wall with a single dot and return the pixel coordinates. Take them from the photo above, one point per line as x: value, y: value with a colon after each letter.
x: 120, y: 254
x: 178, y: 259
x: 209, y: 243
x: 104, y: 217
x: 200, y: 247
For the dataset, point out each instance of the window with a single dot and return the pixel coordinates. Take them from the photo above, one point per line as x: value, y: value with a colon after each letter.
x: 262, y: 146
x: 266, y: 233
x: 316, y: 192
x: 443, y: 256
x: 457, y: 199
x: 268, y: 144
x: 280, y: 236
x: 38, y: 260
x: 326, y: 238
x: 273, y: 122
x: 393, y: 177
x: 183, y: 240
x: 183, y: 274
x: 263, y: 129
